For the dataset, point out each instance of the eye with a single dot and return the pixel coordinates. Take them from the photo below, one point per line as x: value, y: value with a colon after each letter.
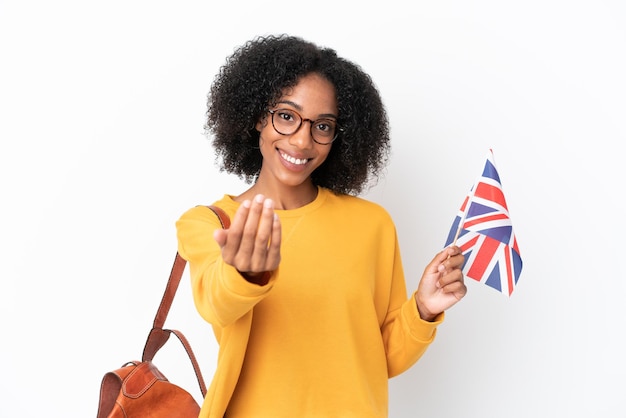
x: 286, y: 116
x: 325, y: 126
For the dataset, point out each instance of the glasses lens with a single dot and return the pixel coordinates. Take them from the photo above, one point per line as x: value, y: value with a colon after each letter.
x: 323, y: 130
x: 286, y: 121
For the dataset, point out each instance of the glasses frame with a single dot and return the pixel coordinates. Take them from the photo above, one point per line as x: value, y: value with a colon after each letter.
x: 302, y: 120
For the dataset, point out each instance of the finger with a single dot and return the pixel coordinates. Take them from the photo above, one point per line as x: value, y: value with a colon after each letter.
x: 454, y: 250
x: 451, y: 263
x: 458, y: 289
x: 263, y: 235
x: 273, y: 253
x: 235, y: 232
x: 436, y: 265
x: 251, y: 227
x: 452, y: 276
x: 433, y: 266
x: 456, y: 261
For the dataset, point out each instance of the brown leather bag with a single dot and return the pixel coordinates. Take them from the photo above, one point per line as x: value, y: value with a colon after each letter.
x: 138, y: 388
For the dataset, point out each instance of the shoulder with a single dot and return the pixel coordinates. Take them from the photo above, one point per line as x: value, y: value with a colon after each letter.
x: 357, y: 207
x: 202, y: 214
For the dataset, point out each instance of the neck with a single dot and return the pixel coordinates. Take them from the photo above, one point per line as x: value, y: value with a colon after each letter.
x: 284, y: 197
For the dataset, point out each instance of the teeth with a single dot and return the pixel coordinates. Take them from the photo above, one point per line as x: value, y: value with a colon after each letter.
x: 293, y: 160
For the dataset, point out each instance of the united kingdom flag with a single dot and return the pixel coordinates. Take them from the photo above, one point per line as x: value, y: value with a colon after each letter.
x: 484, y: 232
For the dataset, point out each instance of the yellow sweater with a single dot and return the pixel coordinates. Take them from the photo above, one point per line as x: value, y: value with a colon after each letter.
x: 324, y: 335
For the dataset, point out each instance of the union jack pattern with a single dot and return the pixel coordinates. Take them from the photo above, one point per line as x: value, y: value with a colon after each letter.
x: 486, y: 238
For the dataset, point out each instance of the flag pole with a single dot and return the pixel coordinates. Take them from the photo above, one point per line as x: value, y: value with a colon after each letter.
x: 458, y: 230
x: 470, y: 197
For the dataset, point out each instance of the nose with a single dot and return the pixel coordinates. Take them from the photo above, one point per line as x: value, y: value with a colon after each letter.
x: 302, y: 138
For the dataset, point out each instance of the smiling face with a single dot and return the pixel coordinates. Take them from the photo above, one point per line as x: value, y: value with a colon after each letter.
x: 289, y: 160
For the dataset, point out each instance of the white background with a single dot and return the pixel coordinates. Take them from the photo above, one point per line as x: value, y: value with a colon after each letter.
x: 101, y: 121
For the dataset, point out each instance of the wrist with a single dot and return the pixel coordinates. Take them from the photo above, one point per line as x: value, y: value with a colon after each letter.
x: 424, y: 313
x: 261, y: 278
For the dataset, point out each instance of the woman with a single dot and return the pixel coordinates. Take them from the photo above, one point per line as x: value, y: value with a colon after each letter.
x: 305, y: 291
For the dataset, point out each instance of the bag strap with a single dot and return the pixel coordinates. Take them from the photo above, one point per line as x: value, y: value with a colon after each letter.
x: 158, y: 335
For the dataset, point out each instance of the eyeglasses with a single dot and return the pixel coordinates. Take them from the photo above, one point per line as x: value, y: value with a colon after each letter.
x: 287, y: 122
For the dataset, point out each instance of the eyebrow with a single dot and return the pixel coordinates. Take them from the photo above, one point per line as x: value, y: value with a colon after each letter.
x: 299, y: 109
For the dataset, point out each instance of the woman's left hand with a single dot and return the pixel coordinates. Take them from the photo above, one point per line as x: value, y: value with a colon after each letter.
x: 442, y: 283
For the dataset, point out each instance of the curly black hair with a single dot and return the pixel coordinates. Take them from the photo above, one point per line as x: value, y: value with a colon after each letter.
x: 255, y: 77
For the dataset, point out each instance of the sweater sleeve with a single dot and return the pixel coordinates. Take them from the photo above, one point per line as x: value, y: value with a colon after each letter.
x: 405, y: 334
x: 407, y: 337
x: 220, y: 293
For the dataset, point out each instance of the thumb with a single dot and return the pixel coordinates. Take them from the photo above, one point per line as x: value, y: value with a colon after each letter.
x: 439, y: 258
x: 220, y: 237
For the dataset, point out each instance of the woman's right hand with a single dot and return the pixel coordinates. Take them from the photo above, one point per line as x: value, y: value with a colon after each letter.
x: 252, y: 243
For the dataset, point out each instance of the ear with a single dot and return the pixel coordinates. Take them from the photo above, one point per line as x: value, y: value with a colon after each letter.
x: 261, y: 123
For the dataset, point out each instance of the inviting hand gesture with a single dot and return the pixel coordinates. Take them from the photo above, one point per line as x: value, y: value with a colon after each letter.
x: 252, y: 243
